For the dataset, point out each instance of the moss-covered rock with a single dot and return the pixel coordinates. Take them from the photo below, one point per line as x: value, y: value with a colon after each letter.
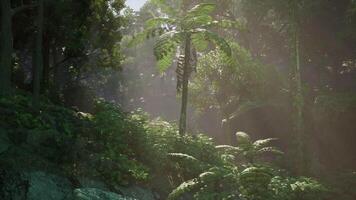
x: 97, y: 194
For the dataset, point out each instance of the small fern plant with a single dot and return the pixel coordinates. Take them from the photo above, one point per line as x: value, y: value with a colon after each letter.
x: 215, y: 181
x: 224, y: 178
x: 250, y: 150
x: 180, y: 35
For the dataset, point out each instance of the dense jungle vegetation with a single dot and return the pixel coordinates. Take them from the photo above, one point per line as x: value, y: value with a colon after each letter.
x: 179, y: 100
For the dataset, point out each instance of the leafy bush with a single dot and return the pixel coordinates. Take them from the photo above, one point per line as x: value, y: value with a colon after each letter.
x: 122, y: 148
x: 229, y: 178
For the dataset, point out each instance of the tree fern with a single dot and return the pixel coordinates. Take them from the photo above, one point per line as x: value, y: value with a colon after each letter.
x: 188, y: 30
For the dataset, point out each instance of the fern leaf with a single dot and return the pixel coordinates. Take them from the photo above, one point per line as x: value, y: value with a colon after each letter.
x: 166, y: 61
x: 201, y: 9
x: 183, y: 188
x: 165, y: 48
x: 270, y: 150
x: 197, y: 21
x: 219, y: 41
x: 199, y: 42
x: 228, y: 24
x: 183, y: 156
x: 243, y: 138
x: 159, y: 22
x: 263, y: 143
x: 227, y: 148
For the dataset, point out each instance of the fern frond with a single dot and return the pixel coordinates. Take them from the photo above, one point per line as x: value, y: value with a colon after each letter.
x: 199, y: 42
x: 201, y: 9
x: 197, y: 21
x: 228, y: 24
x: 159, y: 22
x: 227, y: 148
x: 263, y: 143
x: 146, y: 34
x: 165, y: 7
x: 183, y: 156
x: 219, y: 42
x: 245, y: 107
x: 183, y: 188
x: 243, y: 138
x: 165, y: 48
x: 166, y: 61
x: 269, y: 150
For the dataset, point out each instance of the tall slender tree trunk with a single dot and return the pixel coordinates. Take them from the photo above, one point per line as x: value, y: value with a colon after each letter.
x: 46, y: 63
x: 6, y: 48
x: 186, y: 72
x: 298, y: 99
x: 55, y: 91
x: 38, y: 60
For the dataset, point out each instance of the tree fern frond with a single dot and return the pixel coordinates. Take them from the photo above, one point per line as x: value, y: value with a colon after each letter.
x: 159, y: 22
x: 165, y: 7
x: 166, y: 44
x: 201, y: 9
x: 146, y: 34
x: 228, y: 24
x: 197, y: 21
x: 166, y: 41
x: 199, y: 42
x: 219, y: 41
x: 166, y: 61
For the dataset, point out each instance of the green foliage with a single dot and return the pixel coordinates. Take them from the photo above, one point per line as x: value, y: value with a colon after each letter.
x: 232, y: 85
x: 122, y: 148
x: 228, y: 178
x: 172, y: 32
x: 331, y: 106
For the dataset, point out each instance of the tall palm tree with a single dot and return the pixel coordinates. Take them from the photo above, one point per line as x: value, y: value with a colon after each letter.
x: 180, y: 35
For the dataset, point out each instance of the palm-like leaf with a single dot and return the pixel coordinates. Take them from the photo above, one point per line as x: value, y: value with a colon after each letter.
x: 165, y: 48
x: 199, y: 42
x: 201, y: 9
x: 159, y: 22
x: 214, y: 38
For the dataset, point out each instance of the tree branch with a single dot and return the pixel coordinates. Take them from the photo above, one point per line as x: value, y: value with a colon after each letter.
x: 23, y: 7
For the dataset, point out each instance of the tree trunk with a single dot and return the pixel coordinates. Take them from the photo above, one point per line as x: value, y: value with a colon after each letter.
x: 38, y: 60
x: 298, y: 99
x: 46, y: 63
x: 186, y: 72
x: 6, y: 48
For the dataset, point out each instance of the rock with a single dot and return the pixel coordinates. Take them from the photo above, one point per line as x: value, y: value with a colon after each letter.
x: 88, y: 183
x: 33, y: 186
x: 43, y: 186
x: 136, y: 192
x: 5, y: 142
x: 97, y: 194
